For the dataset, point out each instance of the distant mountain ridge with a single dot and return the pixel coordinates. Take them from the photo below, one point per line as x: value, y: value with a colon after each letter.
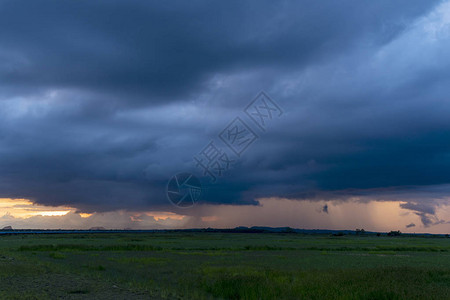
x: 7, y: 230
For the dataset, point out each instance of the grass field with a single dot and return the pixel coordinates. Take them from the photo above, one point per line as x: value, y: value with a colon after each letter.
x: 223, y: 266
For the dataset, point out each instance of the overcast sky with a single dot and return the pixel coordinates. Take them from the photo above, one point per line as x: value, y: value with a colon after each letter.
x: 102, y: 102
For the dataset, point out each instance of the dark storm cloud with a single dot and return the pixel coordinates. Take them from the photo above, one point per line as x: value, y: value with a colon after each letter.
x: 149, y: 49
x: 102, y: 102
x: 421, y: 207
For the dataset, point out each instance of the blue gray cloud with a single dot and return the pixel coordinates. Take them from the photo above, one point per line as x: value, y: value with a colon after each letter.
x: 102, y: 102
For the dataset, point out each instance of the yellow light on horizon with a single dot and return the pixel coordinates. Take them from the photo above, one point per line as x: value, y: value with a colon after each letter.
x: 8, y: 202
x: 85, y: 215
x: 164, y: 215
x: 210, y: 219
x: 25, y: 208
x: 53, y: 213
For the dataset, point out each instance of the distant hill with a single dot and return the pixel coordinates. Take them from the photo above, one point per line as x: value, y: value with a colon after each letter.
x: 241, y: 229
x: 97, y: 228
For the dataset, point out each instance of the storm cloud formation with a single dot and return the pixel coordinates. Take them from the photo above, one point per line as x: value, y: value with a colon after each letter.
x: 102, y: 102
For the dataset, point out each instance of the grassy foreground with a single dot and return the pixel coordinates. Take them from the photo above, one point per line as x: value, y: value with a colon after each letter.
x: 223, y: 266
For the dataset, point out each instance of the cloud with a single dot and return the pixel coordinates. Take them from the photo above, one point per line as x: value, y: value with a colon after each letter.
x: 410, y: 225
x: 101, y: 103
x: 426, y: 219
x: 426, y: 212
x: 150, y: 50
x: 422, y: 207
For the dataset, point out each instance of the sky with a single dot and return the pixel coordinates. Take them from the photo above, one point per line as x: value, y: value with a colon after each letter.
x: 103, y: 102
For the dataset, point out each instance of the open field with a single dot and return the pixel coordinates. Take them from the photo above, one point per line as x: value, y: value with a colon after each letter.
x: 223, y: 266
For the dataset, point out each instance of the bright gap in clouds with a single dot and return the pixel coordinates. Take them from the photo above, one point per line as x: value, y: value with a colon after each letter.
x: 24, y: 208
x: 24, y: 214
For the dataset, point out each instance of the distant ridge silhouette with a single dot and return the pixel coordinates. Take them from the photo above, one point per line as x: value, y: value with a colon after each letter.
x: 97, y: 228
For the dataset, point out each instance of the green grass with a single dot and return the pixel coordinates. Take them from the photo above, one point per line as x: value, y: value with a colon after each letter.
x: 223, y: 266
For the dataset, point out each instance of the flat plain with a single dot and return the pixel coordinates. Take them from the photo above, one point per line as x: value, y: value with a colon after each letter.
x: 212, y: 265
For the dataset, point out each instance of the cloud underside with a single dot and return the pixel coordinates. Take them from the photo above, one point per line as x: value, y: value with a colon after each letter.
x: 102, y: 103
